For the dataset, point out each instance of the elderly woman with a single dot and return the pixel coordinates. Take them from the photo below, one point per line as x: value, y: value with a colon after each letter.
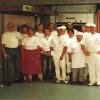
x: 23, y: 30
x: 31, y: 55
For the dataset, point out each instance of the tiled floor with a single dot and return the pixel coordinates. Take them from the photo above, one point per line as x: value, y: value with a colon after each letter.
x: 49, y: 91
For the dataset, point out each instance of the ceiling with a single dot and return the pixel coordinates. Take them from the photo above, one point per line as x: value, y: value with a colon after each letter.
x: 45, y: 2
x: 41, y: 6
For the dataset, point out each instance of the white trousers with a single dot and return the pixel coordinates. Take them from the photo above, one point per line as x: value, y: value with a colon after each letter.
x: 94, y: 68
x: 60, y: 68
x: 68, y: 63
x: 86, y: 71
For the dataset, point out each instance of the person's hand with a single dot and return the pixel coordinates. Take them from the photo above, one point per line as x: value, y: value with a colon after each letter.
x: 70, y: 59
x: 61, y: 57
x: 45, y: 53
x: 98, y: 52
x: 6, y: 56
x: 87, y: 53
x: 49, y: 54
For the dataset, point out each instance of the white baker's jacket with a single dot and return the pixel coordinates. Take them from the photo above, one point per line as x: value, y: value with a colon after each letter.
x: 92, y: 44
x: 53, y: 34
x: 58, y: 45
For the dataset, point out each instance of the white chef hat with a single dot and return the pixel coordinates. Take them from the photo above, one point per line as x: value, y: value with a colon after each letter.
x: 79, y: 33
x: 63, y: 27
x: 88, y: 24
x: 93, y: 25
x: 59, y: 27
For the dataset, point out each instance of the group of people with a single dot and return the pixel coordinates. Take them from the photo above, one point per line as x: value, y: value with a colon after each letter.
x: 63, y: 54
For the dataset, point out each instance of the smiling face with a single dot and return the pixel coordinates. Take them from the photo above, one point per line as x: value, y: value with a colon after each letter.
x: 47, y: 32
x: 10, y: 27
x: 24, y: 29
x: 79, y: 37
x: 83, y: 28
x: 87, y: 28
x: 40, y: 28
x: 92, y: 29
x: 30, y: 32
x: 70, y: 25
x: 52, y: 27
x: 60, y: 32
x: 71, y: 33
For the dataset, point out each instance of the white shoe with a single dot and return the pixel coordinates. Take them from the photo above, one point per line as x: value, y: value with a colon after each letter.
x: 98, y: 84
x: 1, y: 85
x: 90, y: 84
x: 68, y: 78
x: 65, y: 82
x: 58, y: 81
x: 25, y: 78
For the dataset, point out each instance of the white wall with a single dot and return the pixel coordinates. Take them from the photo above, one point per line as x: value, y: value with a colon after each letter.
x: 91, y: 17
x: 18, y: 20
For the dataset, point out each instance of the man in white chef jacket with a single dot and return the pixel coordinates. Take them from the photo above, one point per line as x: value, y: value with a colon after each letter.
x: 87, y: 31
x: 91, y: 48
x: 59, y: 46
x: 67, y: 63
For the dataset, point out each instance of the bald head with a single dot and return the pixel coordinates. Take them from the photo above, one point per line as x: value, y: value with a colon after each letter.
x: 10, y: 27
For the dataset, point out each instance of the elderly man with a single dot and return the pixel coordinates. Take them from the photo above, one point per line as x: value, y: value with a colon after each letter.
x: 10, y: 43
x: 91, y: 48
